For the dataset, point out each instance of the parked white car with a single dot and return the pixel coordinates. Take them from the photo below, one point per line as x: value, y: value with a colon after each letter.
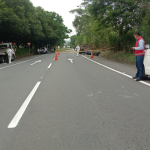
x: 43, y: 50
x: 3, y: 52
x: 147, y: 60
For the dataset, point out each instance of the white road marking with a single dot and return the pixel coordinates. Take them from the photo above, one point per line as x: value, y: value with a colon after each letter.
x: 145, y: 83
x: 22, y: 109
x: 49, y: 66
x: 21, y: 62
x: 71, y: 60
x: 36, y: 62
x: 148, y: 84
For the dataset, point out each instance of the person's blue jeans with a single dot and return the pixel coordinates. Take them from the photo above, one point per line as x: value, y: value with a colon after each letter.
x: 140, y: 66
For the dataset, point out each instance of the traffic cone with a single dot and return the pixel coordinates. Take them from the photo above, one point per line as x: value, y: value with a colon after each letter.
x: 92, y: 54
x: 55, y: 57
x: 58, y: 53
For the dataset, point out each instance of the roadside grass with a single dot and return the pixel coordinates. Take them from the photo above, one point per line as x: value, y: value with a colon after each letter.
x: 63, y: 49
x: 22, y: 52
x: 119, y: 56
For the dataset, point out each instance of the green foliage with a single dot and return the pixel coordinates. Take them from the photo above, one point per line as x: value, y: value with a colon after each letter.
x: 112, y: 23
x: 21, y: 22
x: 22, y: 52
x: 119, y: 56
x: 145, y: 26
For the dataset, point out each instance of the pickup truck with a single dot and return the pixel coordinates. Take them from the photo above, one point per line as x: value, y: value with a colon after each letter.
x: 3, y: 52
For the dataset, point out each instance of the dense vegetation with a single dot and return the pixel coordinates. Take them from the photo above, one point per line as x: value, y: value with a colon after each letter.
x: 21, y: 22
x: 111, y: 23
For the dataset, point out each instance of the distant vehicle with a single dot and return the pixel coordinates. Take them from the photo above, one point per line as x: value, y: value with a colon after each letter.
x: 147, y: 61
x: 95, y: 53
x: 43, y: 50
x: 3, y: 52
x: 82, y: 51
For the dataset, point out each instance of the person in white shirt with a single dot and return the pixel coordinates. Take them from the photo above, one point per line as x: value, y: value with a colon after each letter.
x: 78, y: 49
x: 9, y: 52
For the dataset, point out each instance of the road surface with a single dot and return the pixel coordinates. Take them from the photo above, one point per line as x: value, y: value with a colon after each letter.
x: 74, y: 103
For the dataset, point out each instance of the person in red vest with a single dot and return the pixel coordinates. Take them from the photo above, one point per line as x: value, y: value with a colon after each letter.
x: 139, y: 53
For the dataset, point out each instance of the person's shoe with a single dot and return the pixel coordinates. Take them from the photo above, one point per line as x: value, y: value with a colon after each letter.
x: 134, y: 77
x: 138, y: 79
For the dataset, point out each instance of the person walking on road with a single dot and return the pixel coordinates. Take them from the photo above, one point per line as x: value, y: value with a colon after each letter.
x: 78, y: 49
x: 54, y: 49
x: 139, y: 53
x: 9, y: 53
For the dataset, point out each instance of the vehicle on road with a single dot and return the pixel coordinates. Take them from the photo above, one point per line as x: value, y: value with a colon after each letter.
x: 82, y: 50
x: 43, y: 50
x: 3, y: 52
x: 95, y: 53
x: 147, y: 61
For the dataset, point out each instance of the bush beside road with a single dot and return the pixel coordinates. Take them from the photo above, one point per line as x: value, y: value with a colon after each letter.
x: 119, y: 56
x: 23, y: 52
x: 62, y: 49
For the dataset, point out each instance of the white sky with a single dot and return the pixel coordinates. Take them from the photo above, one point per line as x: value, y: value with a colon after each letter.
x: 62, y: 7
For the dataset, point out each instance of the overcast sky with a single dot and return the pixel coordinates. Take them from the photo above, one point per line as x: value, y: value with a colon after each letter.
x: 62, y: 7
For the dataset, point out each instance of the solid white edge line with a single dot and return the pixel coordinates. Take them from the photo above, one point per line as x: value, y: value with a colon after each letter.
x: 115, y: 70
x: 145, y: 83
x: 21, y: 62
x: 49, y: 66
x: 22, y: 109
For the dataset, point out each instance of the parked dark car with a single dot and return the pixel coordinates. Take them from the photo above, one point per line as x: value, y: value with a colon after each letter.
x: 95, y: 53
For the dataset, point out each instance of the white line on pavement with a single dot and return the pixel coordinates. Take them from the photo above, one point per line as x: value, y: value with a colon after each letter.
x: 71, y: 60
x: 115, y: 70
x: 20, y: 62
x: 49, y: 66
x: 22, y: 109
x: 36, y: 62
x: 145, y: 83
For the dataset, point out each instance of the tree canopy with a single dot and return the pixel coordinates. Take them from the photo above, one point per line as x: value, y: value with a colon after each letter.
x: 21, y: 22
x: 111, y: 23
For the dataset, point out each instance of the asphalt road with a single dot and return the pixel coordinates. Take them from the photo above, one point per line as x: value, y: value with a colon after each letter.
x: 84, y: 105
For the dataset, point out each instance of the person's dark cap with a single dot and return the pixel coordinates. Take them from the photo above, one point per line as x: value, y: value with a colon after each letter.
x: 137, y: 33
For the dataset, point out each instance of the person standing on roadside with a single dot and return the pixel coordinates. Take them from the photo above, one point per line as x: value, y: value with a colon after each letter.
x: 78, y: 49
x: 9, y: 53
x: 54, y: 49
x: 139, y: 53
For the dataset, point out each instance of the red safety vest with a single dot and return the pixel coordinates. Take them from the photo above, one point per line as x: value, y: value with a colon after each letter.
x: 139, y: 52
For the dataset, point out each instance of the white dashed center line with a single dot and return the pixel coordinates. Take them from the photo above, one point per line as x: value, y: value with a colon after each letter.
x: 23, y: 108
